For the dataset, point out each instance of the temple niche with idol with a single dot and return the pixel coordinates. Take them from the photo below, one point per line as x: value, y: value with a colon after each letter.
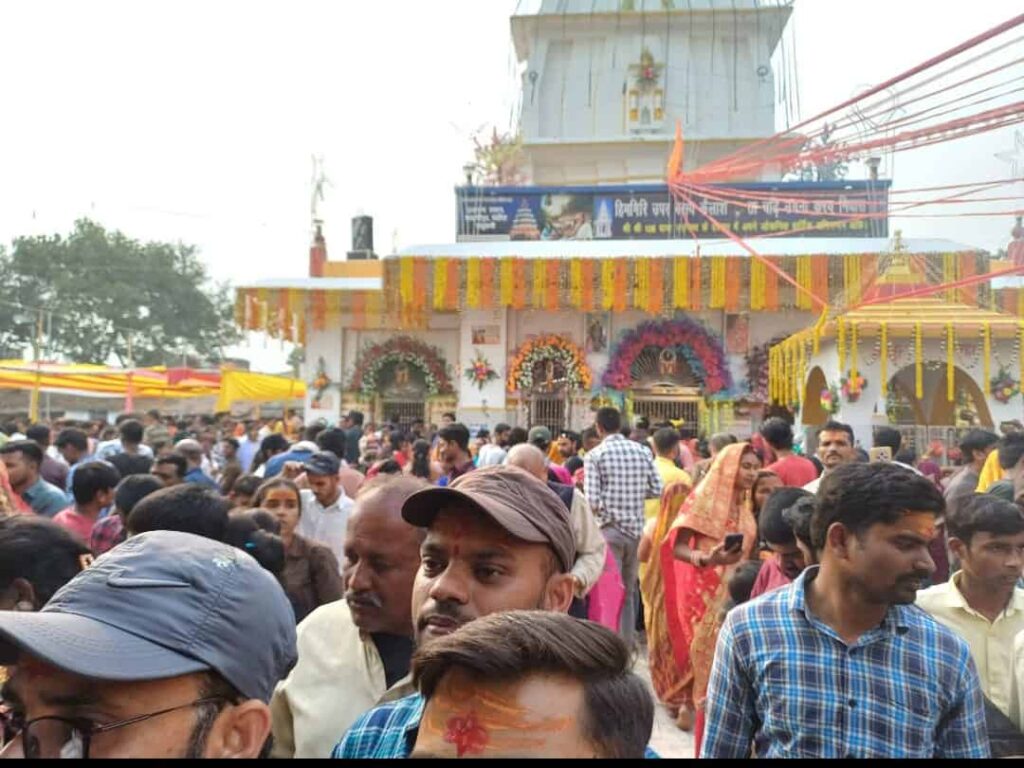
x: 593, y: 282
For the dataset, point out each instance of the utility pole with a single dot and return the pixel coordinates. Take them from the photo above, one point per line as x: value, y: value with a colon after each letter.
x: 33, y: 403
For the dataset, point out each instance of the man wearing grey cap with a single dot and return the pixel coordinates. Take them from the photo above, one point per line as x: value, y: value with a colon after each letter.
x: 169, y: 646
x: 325, y: 507
x: 497, y: 540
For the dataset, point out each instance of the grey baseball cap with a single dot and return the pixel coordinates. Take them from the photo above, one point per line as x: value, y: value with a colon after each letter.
x: 324, y: 463
x: 161, y: 605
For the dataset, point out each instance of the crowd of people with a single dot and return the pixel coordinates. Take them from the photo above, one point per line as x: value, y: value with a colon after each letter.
x: 209, y: 587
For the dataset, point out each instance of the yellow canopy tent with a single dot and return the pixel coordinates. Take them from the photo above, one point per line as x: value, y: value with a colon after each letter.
x: 242, y: 386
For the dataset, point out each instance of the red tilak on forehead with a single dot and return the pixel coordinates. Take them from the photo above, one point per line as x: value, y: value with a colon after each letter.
x: 467, y: 734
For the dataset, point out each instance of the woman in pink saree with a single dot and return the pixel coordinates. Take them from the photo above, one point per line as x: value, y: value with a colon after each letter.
x: 696, y: 567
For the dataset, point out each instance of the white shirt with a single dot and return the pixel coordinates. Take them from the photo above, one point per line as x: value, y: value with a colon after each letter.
x: 338, y: 677
x: 812, y: 487
x: 491, y: 455
x: 326, y: 525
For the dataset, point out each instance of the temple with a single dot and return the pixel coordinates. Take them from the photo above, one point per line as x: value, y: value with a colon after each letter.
x: 591, y: 283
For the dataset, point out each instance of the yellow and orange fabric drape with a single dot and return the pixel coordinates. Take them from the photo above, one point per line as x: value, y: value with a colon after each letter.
x: 415, y: 286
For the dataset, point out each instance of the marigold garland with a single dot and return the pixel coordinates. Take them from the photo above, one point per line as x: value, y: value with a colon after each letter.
x: 429, y: 360
x: 544, y: 348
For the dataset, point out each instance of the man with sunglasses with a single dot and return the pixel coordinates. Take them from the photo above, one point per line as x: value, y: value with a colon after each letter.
x: 168, y: 646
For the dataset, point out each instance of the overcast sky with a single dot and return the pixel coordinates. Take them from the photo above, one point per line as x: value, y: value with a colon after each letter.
x: 195, y: 121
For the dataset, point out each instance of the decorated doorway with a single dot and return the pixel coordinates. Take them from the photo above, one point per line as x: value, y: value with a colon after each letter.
x: 669, y: 369
x: 399, y: 376
x: 548, y: 373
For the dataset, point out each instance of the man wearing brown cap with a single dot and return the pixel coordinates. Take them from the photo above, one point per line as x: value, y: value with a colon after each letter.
x: 497, y: 540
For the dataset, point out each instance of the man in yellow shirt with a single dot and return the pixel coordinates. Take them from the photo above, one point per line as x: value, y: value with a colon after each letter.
x: 982, y: 602
x: 666, y: 450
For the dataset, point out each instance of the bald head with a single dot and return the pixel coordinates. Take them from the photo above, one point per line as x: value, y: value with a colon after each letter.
x: 382, y: 556
x: 529, y: 458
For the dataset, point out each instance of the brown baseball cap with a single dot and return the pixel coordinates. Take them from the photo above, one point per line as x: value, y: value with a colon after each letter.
x: 512, y: 497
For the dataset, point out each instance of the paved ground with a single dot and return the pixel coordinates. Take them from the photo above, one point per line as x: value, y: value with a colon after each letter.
x: 667, y: 740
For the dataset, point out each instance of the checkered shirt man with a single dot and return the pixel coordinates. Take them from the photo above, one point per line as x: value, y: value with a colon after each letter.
x: 784, y: 683
x: 618, y: 477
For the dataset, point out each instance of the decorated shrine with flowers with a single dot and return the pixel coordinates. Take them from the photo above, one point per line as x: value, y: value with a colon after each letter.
x: 696, y: 332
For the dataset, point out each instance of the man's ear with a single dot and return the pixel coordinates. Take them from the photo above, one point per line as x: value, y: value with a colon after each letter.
x: 838, y: 540
x: 239, y: 732
x: 959, y: 548
x: 559, y: 593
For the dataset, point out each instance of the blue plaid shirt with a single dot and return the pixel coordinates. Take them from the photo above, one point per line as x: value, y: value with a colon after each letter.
x: 388, y: 732
x: 785, y: 683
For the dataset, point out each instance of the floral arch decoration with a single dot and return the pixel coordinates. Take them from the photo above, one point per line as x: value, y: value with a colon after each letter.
x: 698, y: 346
x: 429, y: 360
x: 549, y: 348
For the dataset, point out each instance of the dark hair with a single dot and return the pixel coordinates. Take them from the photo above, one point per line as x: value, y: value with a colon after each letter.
x: 798, y: 516
x: 76, y: 438
x: 887, y: 437
x: 388, y: 467
x: 38, y: 550
x: 312, y: 432
x: 517, y: 436
x: 862, y: 495
x: 778, y: 434
x: 232, y: 442
x: 128, y: 464
x: 456, y: 433
x: 573, y: 464
x: 356, y: 417
x: 502, y: 428
x: 610, y: 420
x: 421, y: 459
x: 448, y: 415
x: 1011, y: 449
x: 188, y: 508
x: 835, y: 426
x: 771, y: 524
x: 982, y: 513
x: 976, y: 440
x: 131, y: 490
x: 764, y: 474
x: 244, y: 532
x: 666, y: 440
x: 180, y: 465
x: 741, y: 584
x: 26, y: 448
x: 277, y: 482
x: 618, y: 709
x: 398, y: 438
x: 247, y: 485
x: 589, y: 432
x: 332, y: 440
x: 131, y: 431
x: 38, y: 433
x: 92, y: 478
x: 274, y: 443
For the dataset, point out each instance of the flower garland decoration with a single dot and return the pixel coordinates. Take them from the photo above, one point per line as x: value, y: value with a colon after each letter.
x: 1004, y: 386
x: 544, y: 348
x: 853, y: 387
x: 429, y: 360
x: 321, y: 383
x: 698, y: 346
x: 480, y: 373
x: 830, y: 400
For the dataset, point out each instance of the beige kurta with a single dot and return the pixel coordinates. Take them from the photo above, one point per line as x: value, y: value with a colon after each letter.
x: 338, y: 677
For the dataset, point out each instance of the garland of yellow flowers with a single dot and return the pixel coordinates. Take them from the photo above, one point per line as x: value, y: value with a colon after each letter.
x: 950, y: 364
x: 918, y: 363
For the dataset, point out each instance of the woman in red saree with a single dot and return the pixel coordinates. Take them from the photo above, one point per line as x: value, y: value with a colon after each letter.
x: 696, y: 567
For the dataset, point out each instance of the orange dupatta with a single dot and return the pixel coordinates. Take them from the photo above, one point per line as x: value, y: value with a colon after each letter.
x: 670, y: 687
x: 694, y: 596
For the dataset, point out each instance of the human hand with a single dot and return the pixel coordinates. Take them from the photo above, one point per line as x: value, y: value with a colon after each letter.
x: 292, y: 469
x: 720, y: 556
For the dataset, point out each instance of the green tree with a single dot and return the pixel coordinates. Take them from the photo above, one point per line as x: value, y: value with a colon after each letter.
x: 103, y: 288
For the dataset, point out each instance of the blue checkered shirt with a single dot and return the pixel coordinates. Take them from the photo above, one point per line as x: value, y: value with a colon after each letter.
x: 388, y: 732
x: 618, y: 477
x: 785, y: 683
